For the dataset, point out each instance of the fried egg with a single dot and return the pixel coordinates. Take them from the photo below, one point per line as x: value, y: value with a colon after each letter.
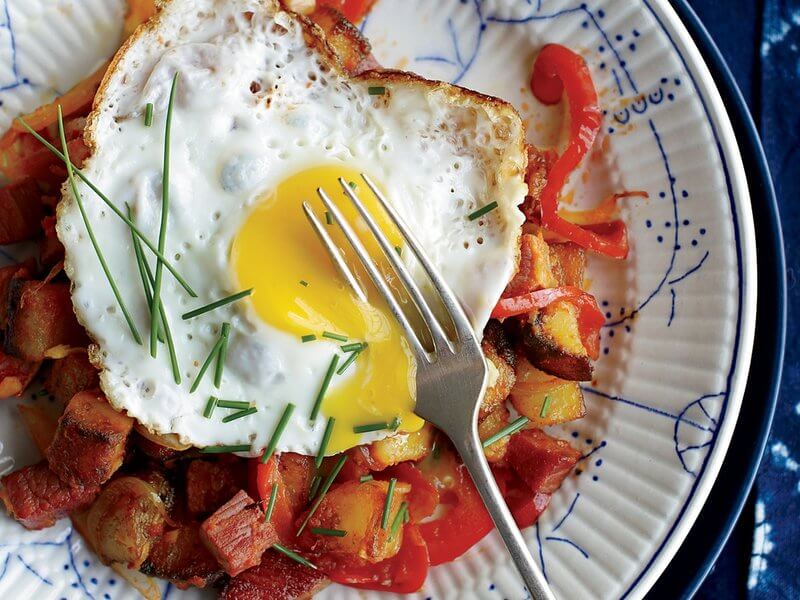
x: 263, y: 116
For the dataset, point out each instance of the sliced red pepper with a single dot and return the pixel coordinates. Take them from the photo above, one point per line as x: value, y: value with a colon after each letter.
x: 354, y: 10
x: 525, y: 506
x: 557, y: 70
x: 423, y: 498
x: 404, y: 573
x: 263, y: 477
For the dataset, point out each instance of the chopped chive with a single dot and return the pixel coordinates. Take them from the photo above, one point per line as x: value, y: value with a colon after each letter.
x: 144, y: 272
x: 293, y: 555
x: 211, y: 356
x: 365, y: 478
x: 217, y: 304
x: 356, y: 347
x: 350, y: 360
x: 353, y: 185
x: 395, y: 424
x: 376, y: 90
x: 273, y: 495
x: 399, y: 250
x: 388, y: 504
x: 162, y: 234
x: 328, y: 218
x: 334, y: 336
x: 210, y: 406
x: 508, y: 430
x: 240, y: 414
x: 222, y: 354
x: 315, y: 483
x: 482, y: 211
x: 225, y: 449
x: 79, y: 200
x: 399, y: 519
x: 324, y: 387
x: 373, y: 427
x: 304, y: 283
x: 276, y: 435
x: 238, y: 404
x: 148, y: 115
x: 325, y: 487
x: 328, y: 532
x: 308, y: 338
x: 545, y: 406
x: 326, y: 438
x: 115, y: 209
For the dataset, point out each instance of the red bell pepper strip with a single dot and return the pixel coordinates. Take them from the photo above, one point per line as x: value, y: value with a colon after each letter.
x: 404, y: 573
x: 353, y: 10
x: 423, y: 497
x: 557, y: 70
x: 262, y: 479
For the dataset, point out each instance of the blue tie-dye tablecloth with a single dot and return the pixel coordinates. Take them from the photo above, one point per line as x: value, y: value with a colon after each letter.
x: 760, y: 39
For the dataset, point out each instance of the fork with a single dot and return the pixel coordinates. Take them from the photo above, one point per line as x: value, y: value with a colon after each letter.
x: 451, y: 378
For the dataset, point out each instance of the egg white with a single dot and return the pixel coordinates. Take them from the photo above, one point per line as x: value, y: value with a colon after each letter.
x: 259, y: 98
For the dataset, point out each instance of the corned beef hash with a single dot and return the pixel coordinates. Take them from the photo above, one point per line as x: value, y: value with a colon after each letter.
x: 225, y: 413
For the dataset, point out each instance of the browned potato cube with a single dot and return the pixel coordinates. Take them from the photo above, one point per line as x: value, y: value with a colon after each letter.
x: 400, y: 448
x: 501, y: 356
x: 532, y: 389
x: 180, y: 556
x: 70, y: 375
x: 534, y: 271
x: 569, y: 264
x: 488, y: 426
x: 553, y: 343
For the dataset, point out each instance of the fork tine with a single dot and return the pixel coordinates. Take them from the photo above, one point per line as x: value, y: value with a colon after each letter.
x: 437, y: 333
x: 453, y: 306
x: 375, y: 275
x: 333, y: 251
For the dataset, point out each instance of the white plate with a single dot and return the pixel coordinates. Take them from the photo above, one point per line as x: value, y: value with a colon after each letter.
x: 681, y: 311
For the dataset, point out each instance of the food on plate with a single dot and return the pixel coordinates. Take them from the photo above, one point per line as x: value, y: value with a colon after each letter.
x: 227, y: 413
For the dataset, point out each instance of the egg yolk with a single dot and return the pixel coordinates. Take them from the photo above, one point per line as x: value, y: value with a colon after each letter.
x: 299, y: 290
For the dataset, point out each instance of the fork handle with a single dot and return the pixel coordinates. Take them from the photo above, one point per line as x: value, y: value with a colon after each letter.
x: 472, y: 455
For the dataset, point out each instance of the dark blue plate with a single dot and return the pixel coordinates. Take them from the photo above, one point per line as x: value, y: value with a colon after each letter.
x: 702, y: 546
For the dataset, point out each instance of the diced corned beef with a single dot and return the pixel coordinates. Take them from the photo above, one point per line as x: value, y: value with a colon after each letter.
x: 70, y: 375
x: 276, y: 578
x: 90, y: 440
x: 41, y: 320
x: 541, y: 461
x: 180, y: 556
x: 15, y: 375
x: 210, y: 484
x: 20, y: 212
x: 36, y: 497
x: 7, y: 275
x: 237, y: 534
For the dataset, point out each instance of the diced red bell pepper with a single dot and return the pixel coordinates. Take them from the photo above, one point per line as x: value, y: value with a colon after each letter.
x: 541, y: 461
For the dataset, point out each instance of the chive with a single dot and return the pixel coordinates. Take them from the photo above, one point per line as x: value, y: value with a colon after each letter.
x: 395, y: 424
x: 545, y: 406
x: 324, y: 387
x: 304, y: 283
x: 222, y: 354
x: 276, y: 435
x: 376, y: 90
x: 374, y: 427
x: 399, y: 519
x: 328, y: 218
x: 211, y: 356
x: 388, y: 505
x: 162, y: 234
x: 325, y: 487
x: 365, y: 478
x: 217, y: 304
x: 90, y: 231
x: 143, y: 272
x: 225, y: 449
x: 334, y: 336
x: 353, y: 185
x: 509, y: 430
x: 163, y: 325
x: 357, y: 347
x: 148, y: 114
x: 350, y: 360
x: 482, y: 211
x: 326, y: 438
x: 328, y: 532
x: 399, y: 250
x: 315, y: 483
x: 210, y: 406
x: 240, y: 414
x: 238, y: 404
x: 113, y: 207
x: 293, y: 555
x: 308, y: 338
x: 273, y: 495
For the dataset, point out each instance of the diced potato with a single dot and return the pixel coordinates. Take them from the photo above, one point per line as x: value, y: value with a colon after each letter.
x: 501, y: 356
x: 70, y: 375
x: 180, y: 556
x: 532, y: 389
x: 297, y: 472
x: 401, y: 448
x: 568, y: 261
x: 488, y: 426
x: 553, y: 343
x: 209, y: 485
x: 535, y: 271
x: 357, y: 508
x: 41, y: 424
